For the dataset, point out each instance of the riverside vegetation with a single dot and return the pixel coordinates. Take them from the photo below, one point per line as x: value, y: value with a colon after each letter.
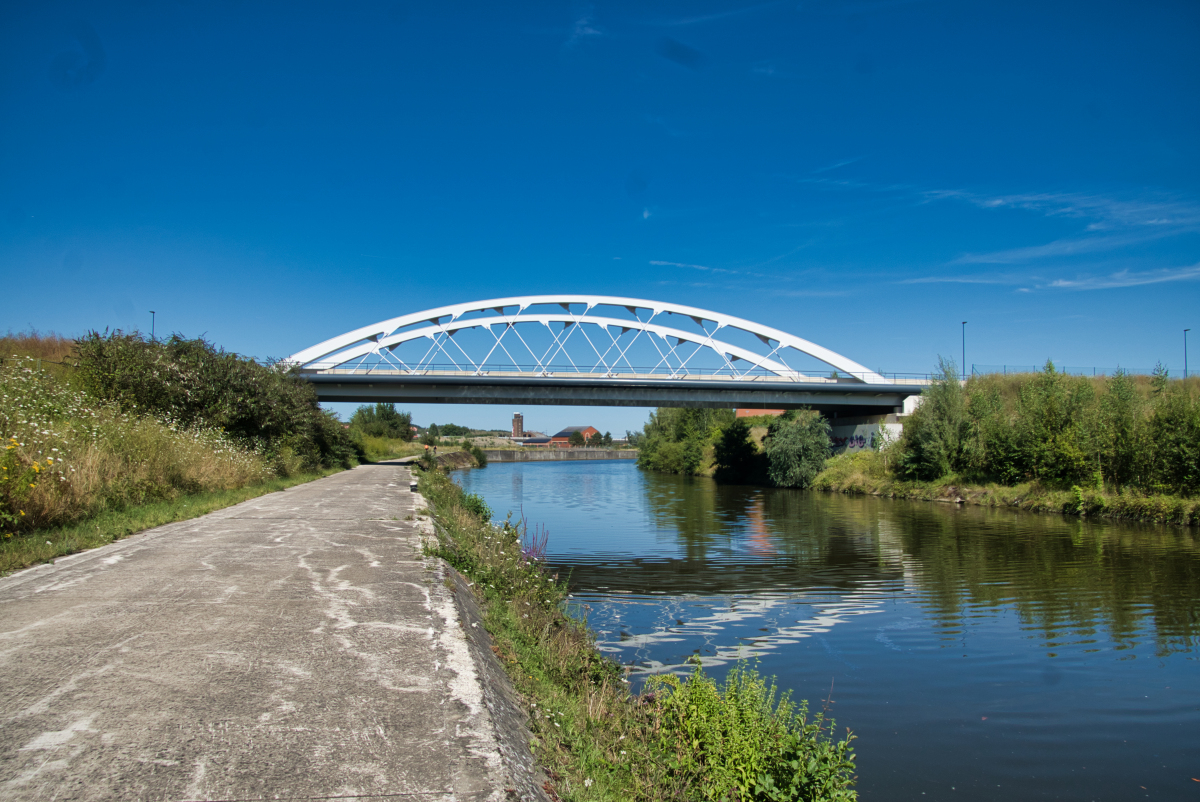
x: 115, y: 433
x: 682, y: 738
x: 1121, y: 446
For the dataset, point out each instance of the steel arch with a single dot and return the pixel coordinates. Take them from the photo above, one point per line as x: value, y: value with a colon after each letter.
x: 444, y: 322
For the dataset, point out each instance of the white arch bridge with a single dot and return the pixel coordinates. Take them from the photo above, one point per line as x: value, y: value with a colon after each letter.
x: 593, y: 350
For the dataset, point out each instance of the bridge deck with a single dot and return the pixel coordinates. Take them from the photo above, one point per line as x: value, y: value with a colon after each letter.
x: 845, y: 397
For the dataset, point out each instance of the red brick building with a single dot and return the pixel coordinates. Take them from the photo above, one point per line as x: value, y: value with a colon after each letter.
x: 563, y: 438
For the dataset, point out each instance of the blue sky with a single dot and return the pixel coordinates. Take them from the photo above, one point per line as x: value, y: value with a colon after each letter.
x: 866, y: 175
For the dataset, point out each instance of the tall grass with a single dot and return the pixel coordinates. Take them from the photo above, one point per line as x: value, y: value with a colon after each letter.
x: 50, y: 347
x: 685, y: 739
x: 133, y: 431
x: 67, y: 456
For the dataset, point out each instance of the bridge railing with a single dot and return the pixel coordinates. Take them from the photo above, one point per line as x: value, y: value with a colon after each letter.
x: 382, y: 369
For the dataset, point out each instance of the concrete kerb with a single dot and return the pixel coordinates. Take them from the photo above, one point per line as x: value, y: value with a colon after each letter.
x: 524, y: 778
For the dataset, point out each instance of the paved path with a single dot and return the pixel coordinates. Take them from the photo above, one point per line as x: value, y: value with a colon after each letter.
x: 296, y: 646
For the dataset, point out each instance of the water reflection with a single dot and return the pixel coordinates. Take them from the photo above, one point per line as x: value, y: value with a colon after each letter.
x: 1066, y: 578
x: 955, y: 635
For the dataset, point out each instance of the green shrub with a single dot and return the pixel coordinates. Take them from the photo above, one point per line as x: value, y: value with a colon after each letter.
x: 797, y: 446
x: 481, y: 459
x: 474, y: 504
x: 194, y: 383
x: 737, y: 742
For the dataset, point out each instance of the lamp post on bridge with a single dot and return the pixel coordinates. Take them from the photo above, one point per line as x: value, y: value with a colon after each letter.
x: 964, y: 348
x: 151, y: 324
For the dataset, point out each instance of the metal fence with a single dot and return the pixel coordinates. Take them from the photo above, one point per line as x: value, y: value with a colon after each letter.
x: 1006, y: 369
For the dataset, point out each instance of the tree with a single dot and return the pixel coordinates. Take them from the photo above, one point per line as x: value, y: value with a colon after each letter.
x: 382, y: 420
x: 734, y: 454
x: 606, y: 440
x: 797, y: 446
x: 576, y: 439
x: 935, y: 436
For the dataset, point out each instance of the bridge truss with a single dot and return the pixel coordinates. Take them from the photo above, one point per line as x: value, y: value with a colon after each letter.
x: 585, y: 336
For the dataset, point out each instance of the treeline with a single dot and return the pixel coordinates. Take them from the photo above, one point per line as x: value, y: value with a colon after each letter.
x: 1117, y: 432
x: 715, y: 442
x: 1125, y: 446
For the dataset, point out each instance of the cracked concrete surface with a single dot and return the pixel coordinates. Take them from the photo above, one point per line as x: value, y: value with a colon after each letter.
x: 295, y: 646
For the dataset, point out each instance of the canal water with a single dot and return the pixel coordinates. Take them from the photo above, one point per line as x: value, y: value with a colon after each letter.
x: 977, y: 654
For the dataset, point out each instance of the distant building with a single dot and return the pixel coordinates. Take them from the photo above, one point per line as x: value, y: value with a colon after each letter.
x: 518, y: 427
x: 754, y: 413
x: 563, y: 438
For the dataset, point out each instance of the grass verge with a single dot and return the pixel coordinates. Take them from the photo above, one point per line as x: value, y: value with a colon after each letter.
x: 682, y: 739
x: 867, y: 473
x: 44, y: 545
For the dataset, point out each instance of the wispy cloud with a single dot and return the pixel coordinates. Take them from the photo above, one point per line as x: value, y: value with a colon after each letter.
x: 963, y: 280
x: 1064, y: 247
x: 1105, y: 212
x: 1107, y: 223
x: 584, y: 28
x: 716, y: 16
x: 1129, y: 278
x: 705, y: 268
x: 836, y: 165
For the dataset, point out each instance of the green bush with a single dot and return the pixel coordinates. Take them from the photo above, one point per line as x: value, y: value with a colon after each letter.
x: 194, y: 383
x: 736, y: 742
x: 474, y: 504
x: 481, y: 459
x: 797, y: 446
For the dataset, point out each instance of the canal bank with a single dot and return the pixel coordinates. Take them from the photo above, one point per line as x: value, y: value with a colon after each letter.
x: 299, y: 645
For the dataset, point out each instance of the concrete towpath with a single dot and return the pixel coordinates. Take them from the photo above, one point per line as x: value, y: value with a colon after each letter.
x: 295, y: 646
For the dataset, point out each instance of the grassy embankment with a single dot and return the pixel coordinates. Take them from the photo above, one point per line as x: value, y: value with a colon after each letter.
x: 1118, y: 447
x: 869, y: 473
x: 125, y: 434
x: 682, y: 739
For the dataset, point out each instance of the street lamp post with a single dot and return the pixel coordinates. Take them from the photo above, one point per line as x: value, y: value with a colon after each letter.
x: 1185, y: 331
x: 964, y: 348
x: 151, y: 324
